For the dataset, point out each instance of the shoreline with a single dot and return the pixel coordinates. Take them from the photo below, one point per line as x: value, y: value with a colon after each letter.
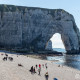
x: 39, y: 56
x: 43, y: 57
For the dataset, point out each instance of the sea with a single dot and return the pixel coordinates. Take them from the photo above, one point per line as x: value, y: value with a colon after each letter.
x: 66, y: 60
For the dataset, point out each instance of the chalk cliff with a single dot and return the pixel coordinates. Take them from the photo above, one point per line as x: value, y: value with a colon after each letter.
x: 32, y: 28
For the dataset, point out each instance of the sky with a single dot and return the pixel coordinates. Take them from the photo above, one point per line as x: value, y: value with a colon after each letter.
x: 71, y: 6
x: 56, y: 41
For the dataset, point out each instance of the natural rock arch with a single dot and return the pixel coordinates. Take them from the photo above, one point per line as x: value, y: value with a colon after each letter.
x: 68, y: 36
x: 29, y: 27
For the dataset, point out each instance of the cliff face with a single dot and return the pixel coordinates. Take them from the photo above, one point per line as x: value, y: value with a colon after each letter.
x: 25, y: 27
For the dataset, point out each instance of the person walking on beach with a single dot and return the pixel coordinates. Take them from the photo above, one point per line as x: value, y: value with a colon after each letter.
x: 46, y: 76
x: 46, y: 66
x: 39, y: 70
x: 43, y: 65
x: 34, y: 70
x: 36, y: 66
x: 31, y: 70
x: 40, y: 66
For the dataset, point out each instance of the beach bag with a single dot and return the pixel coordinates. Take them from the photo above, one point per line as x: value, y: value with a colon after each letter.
x: 55, y: 79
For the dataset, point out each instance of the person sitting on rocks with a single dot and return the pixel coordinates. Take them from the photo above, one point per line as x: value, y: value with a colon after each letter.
x: 5, y: 58
x: 20, y: 65
x: 58, y: 65
x: 10, y: 58
x: 6, y: 55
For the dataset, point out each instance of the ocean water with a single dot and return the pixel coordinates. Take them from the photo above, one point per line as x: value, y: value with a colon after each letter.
x: 67, y: 60
x: 59, y: 49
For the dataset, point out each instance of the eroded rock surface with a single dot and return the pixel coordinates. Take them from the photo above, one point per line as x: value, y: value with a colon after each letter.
x: 32, y: 28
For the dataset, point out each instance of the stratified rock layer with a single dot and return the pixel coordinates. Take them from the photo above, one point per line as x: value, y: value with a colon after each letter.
x: 32, y: 28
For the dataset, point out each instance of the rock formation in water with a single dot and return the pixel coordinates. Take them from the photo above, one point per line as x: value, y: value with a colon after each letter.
x: 49, y: 45
x: 32, y: 28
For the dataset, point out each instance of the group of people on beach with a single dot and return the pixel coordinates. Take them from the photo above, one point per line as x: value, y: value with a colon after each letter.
x: 6, y: 57
x: 33, y: 70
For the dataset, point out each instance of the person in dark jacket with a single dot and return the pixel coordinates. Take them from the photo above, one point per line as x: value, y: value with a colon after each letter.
x: 46, y: 76
x: 31, y: 70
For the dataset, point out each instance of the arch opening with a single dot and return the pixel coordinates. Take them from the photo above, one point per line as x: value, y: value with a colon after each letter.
x: 56, y: 43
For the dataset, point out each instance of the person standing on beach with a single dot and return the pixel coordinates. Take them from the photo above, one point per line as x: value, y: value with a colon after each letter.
x: 43, y: 65
x: 39, y: 70
x: 40, y: 66
x: 46, y: 76
x: 31, y: 69
x: 34, y: 70
x: 36, y: 66
x: 46, y: 66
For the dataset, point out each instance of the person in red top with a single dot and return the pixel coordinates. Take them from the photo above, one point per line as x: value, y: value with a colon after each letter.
x: 39, y: 65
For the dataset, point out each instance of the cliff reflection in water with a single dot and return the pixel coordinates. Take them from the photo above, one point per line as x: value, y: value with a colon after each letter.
x: 67, y: 60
